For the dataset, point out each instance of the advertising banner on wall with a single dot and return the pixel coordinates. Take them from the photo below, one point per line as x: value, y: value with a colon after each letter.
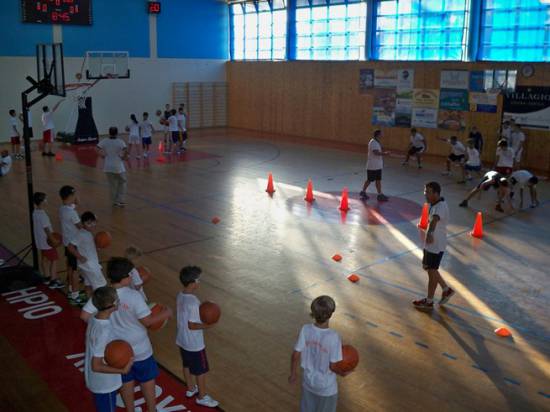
x: 366, y: 80
x: 529, y: 106
x: 427, y: 98
x: 405, y: 78
x: 403, y: 107
x: 424, y: 117
x: 454, y: 79
x: 383, y: 112
x: 483, y: 102
x: 477, y: 81
x: 385, y: 78
x: 453, y: 99
x: 451, y: 120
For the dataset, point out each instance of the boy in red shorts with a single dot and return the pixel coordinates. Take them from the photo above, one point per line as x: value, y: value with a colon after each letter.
x: 15, y: 136
x: 42, y: 229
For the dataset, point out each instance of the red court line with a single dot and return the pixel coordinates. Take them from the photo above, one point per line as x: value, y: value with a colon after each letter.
x: 47, y: 332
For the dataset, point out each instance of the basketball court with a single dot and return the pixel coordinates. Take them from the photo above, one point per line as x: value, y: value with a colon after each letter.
x: 266, y: 256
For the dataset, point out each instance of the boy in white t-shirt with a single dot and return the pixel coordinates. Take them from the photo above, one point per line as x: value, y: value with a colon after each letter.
x: 520, y: 179
x: 102, y: 380
x: 491, y: 179
x: 133, y: 254
x: 504, y: 162
x: 146, y: 130
x: 174, y: 130
x: 5, y: 163
x: 70, y: 225
x: 473, y: 162
x: 434, y: 247
x: 417, y: 146
x: 82, y: 245
x: 130, y: 323
x: 42, y: 230
x: 457, y: 156
x: 517, y: 138
x: 182, y: 126
x: 190, y: 337
x: 48, y: 129
x: 375, y: 164
x: 317, y: 350
x: 15, y: 136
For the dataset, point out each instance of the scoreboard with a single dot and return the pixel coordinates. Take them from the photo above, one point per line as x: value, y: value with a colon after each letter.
x: 78, y: 12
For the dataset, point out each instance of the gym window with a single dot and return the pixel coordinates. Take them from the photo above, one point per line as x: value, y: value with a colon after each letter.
x: 515, y: 30
x: 422, y: 29
x: 330, y: 30
x: 258, y: 30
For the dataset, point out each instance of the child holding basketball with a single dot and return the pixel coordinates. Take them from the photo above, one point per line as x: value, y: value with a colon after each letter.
x: 317, y: 350
x: 83, y: 247
x: 130, y: 323
x: 70, y: 225
x: 190, y: 339
x: 101, y: 379
x: 133, y: 136
x: 42, y: 229
x: 133, y: 254
x: 146, y: 131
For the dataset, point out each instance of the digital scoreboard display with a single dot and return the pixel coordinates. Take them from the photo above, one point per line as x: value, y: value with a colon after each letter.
x: 78, y: 12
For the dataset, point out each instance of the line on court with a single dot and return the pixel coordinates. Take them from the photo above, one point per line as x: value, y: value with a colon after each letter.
x: 397, y: 335
x: 448, y: 355
x: 422, y: 345
x: 512, y: 381
x: 177, y: 245
x: 546, y: 395
x: 480, y: 368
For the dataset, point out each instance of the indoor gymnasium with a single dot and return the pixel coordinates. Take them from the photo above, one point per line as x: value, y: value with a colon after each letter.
x: 275, y: 205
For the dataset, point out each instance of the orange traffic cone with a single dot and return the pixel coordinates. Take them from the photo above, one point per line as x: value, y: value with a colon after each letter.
x: 161, y: 157
x: 309, y: 192
x: 270, y: 189
x: 423, y: 224
x: 58, y: 157
x: 503, y: 332
x: 344, y: 207
x: 478, y: 227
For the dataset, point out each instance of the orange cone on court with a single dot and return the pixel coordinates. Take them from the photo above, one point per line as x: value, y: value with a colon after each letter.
x: 58, y: 157
x: 309, y: 192
x: 270, y: 189
x: 478, y: 227
x: 344, y: 207
x: 503, y: 332
x: 423, y: 224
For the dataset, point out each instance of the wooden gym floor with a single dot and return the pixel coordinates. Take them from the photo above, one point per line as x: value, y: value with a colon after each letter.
x: 269, y: 257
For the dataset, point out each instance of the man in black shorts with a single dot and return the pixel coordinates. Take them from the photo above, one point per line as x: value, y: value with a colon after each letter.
x: 375, y: 163
x: 495, y: 180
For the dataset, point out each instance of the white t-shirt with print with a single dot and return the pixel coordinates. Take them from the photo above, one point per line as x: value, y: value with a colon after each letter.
x: 47, y: 121
x: 98, y: 335
x: 13, y: 127
x: 182, y: 121
x: 137, y: 282
x: 505, y: 157
x: 134, y: 129
x: 418, y: 141
x: 173, y: 123
x: 458, y: 148
x: 517, y: 138
x: 41, y: 222
x: 68, y: 218
x: 521, y: 177
x: 126, y: 324
x: 318, y: 349
x: 113, y: 149
x: 188, y: 311
x: 440, y: 233
x: 146, y: 128
x: 374, y: 161
x: 473, y: 157
x: 6, y: 164
x: 85, y: 244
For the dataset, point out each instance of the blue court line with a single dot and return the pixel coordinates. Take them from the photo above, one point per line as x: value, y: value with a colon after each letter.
x: 512, y: 381
x: 397, y: 335
x: 480, y: 368
x: 448, y: 355
x: 546, y: 395
x: 371, y: 324
x: 422, y: 345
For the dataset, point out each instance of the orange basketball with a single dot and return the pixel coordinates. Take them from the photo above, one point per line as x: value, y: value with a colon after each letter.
x: 350, y: 359
x: 158, y: 112
x: 156, y: 308
x: 103, y: 239
x: 144, y: 274
x: 56, y: 239
x: 209, y: 312
x: 118, y: 353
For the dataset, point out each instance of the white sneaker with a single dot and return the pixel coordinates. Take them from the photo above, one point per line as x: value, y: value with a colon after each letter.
x: 192, y: 392
x: 207, y: 401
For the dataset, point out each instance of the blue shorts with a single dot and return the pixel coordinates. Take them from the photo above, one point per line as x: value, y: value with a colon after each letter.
x: 142, y: 371
x: 472, y: 168
x: 196, y: 362
x: 105, y: 402
x: 146, y: 140
x: 175, y: 137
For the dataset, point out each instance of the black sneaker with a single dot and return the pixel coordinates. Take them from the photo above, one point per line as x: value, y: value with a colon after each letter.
x: 382, y: 198
x: 56, y: 284
x: 499, y: 208
x: 363, y: 195
x: 51, y: 154
x: 46, y: 281
x: 44, y: 154
x: 464, y: 203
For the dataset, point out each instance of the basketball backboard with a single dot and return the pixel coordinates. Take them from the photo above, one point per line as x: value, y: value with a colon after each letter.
x: 107, y: 65
x: 49, y: 69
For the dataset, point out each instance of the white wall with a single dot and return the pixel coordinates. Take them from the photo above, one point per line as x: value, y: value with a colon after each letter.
x: 148, y: 89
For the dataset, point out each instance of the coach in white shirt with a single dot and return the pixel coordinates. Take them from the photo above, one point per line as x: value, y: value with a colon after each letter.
x: 114, y: 151
x: 375, y: 163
